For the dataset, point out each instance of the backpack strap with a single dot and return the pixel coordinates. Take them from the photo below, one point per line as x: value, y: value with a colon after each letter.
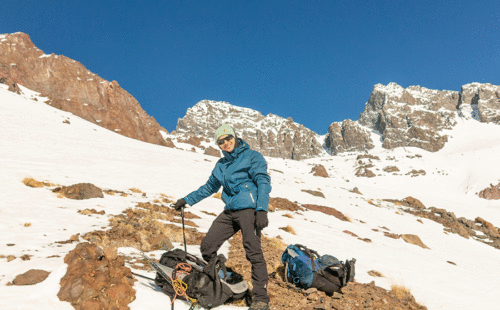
x: 313, y: 255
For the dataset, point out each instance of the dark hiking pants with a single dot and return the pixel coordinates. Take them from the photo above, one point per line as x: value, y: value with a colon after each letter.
x: 224, y: 227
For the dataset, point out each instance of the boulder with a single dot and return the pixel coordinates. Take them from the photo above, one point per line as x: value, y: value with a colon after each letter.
x: 492, y: 192
x: 80, y: 191
x: 213, y: 152
x: 96, y: 279
x: 319, y: 171
x: 31, y: 277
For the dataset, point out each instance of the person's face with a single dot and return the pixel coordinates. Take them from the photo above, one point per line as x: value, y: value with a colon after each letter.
x: 228, y: 143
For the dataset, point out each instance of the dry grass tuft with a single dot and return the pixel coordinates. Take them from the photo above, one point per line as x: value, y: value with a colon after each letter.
x: 27, y: 224
x: 288, y: 229
x: 401, y: 291
x: 28, y: 181
x: 135, y: 190
x: 218, y: 195
x: 288, y: 215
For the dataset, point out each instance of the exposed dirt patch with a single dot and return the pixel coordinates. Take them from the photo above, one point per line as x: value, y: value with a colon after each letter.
x: 327, y: 210
x: 79, y: 191
x: 374, y: 273
x: 368, y: 156
x: 391, y: 169
x: 141, y: 229
x: 91, y: 211
x: 314, y: 193
x: 277, y: 203
x: 355, y: 295
x: 288, y: 229
x: 209, y: 213
x: 416, y: 173
x: 489, y: 234
x: 28, y: 181
x: 413, y: 239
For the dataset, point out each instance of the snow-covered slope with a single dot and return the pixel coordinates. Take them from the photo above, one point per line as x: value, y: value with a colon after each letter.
x: 35, y: 142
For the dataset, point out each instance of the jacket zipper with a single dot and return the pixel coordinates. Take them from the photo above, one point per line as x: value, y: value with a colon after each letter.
x: 251, y: 196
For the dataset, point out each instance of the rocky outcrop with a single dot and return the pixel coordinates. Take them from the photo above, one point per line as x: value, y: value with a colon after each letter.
x: 348, y: 136
x: 410, y: 117
x: 481, y: 102
x: 73, y: 88
x: 96, y: 279
x: 271, y: 135
x: 492, y: 192
x: 319, y: 171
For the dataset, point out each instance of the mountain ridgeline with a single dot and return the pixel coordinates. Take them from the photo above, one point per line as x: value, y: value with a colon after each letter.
x: 399, y: 117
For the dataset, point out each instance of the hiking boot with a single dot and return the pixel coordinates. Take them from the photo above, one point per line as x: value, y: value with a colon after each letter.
x: 259, y: 305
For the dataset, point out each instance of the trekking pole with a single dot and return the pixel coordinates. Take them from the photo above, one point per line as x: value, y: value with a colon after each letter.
x: 183, y: 230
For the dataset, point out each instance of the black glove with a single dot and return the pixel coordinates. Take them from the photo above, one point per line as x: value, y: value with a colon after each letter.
x: 180, y: 204
x: 261, y: 220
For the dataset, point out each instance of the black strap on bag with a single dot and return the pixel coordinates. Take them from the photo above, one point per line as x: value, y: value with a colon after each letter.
x: 312, y: 254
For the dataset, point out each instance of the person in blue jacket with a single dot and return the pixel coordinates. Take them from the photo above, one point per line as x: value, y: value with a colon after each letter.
x: 242, y: 173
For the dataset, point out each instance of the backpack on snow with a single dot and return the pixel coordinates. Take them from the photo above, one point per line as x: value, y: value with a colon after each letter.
x: 211, y: 284
x: 306, y: 269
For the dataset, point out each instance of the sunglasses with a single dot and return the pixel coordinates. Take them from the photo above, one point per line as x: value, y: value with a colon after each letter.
x: 223, y: 140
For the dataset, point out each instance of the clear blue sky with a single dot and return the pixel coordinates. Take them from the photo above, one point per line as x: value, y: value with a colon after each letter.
x: 316, y: 61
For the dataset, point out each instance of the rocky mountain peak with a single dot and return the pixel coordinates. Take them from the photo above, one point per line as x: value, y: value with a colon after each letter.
x: 73, y: 88
x: 414, y: 116
x: 271, y: 135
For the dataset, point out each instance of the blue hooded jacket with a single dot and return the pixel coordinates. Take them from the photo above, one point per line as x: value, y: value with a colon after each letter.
x: 243, y: 176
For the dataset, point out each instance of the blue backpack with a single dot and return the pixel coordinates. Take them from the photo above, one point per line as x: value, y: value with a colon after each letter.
x: 306, y: 268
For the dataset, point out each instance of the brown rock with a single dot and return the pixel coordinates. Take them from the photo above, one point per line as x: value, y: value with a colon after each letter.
x: 80, y: 191
x: 10, y: 258
x: 96, y: 279
x: 327, y: 210
x: 414, y: 203
x: 492, y: 192
x: 212, y: 152
x: 92, y: 98
x: 314, y: 193
x: 31, y: 277
x: 391, y: 169
x: 414, y: 239
x: 364, y: 172
x: 276, y: 203
x: 350, y: 233
x: 391, y: 235
x: 191, y: 140
x: 489, y: 228
x: 319, y: 171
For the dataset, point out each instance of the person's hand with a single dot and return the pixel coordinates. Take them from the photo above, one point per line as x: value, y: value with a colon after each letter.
x: 180, y: 204
x: 261, y: 220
